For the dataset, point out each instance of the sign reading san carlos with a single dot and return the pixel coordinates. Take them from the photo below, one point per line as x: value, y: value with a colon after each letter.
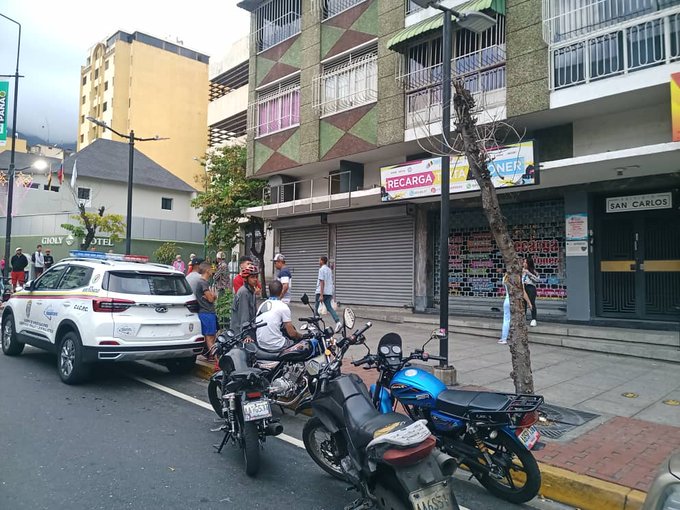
x: 511, y: 165
x: 640, y: 202
x: 4, y: 98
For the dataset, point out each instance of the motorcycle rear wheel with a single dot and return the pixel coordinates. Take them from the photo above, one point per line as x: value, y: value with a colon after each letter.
x: 511, y: 458
x: 250, y: 444
x: 215, y: 397
x: 320, y: 445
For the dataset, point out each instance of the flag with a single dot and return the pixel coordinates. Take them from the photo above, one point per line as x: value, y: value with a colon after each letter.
x: 60, y: 174
x: 49, y: 180
x: 74, y: 175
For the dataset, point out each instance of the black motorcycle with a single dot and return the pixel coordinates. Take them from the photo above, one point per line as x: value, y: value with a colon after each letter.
x: 244, y: 402
x: 388, y: 458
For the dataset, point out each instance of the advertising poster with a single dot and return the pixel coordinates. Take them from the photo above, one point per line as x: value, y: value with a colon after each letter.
x: 4, y: 102
x: 577, y: 227
x: 512, y: 165
x: 675, y: 105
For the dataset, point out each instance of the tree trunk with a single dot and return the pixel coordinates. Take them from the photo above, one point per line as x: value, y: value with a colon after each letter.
x: 257, y: 225
x: 90, y: 228
x: 518, y: 339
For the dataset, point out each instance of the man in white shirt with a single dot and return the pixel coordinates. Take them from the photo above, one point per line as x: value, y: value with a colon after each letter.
x: 325, y: 288
x: 283, y: 275
x: 38, y: 261
x: 277, y: 315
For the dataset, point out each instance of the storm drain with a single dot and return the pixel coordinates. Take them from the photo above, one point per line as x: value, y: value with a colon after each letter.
x: 556, y: 421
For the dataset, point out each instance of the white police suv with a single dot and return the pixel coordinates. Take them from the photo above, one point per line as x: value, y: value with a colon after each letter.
x: 98, y: 307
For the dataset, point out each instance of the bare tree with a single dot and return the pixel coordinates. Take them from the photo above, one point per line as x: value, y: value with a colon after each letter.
x: 473, y: 141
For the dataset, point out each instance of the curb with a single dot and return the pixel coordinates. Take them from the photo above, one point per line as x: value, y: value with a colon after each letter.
x: 560, y: 485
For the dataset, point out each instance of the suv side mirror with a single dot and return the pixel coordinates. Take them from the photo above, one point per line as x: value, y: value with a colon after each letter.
x: 28, y: 285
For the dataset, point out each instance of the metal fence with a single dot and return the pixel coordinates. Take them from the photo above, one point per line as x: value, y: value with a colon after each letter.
x: 277, y: 20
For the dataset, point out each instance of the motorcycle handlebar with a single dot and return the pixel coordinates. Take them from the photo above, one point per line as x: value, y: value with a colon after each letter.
x: 311, y: 320
x: 363, y: 330
x: 362, y: 361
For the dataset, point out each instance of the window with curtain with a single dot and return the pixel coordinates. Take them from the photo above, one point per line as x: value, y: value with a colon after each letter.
x: 278, y: 108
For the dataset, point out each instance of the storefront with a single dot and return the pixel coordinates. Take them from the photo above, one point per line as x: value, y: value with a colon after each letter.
x: 302, y: 248
x: 637, y: 255
x: 476, y: 266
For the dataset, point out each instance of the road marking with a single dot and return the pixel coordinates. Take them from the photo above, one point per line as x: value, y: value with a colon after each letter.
x: 205, y: 405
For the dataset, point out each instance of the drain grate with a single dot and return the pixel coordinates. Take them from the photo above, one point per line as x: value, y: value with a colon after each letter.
x: 557, y: 421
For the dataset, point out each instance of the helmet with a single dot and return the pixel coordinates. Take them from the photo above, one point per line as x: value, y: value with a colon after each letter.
x: 249, y: 270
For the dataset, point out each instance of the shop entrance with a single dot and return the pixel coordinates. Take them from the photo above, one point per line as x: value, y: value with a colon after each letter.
x: 638, y: 262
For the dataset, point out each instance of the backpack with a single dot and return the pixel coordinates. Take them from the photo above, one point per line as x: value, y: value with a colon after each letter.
x: 33, y: 257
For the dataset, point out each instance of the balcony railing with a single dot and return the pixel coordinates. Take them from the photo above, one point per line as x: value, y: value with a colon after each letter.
x: 482, y: 72
x: 636, y: 44
x: 277, y: 20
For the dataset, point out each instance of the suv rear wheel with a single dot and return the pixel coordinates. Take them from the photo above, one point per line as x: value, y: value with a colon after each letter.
x: 72, y: 369
x: 10, y: 345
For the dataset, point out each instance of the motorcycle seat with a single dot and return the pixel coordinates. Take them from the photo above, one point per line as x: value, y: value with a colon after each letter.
x: 460, y: 402
x: 264, y: 355
x: 364, y: 420
x: 245, y: 373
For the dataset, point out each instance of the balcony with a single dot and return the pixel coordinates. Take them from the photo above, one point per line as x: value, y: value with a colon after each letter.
x: 610, y: 38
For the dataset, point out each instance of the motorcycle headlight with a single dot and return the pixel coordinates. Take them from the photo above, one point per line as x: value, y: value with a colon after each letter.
x: 313, y: 367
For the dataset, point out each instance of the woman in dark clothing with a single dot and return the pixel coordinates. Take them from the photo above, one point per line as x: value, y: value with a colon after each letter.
x: 529, y: 280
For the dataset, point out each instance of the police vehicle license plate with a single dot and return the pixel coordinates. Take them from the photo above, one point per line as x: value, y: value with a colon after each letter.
x: 256, y: 410
x: 434, y: 497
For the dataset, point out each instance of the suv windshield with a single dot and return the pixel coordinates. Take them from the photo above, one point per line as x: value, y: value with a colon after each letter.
x: 155, y: 284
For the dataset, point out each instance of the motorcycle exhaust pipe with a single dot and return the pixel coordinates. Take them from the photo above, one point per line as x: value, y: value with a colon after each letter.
x: 273, y: 429
x: 447, y: 464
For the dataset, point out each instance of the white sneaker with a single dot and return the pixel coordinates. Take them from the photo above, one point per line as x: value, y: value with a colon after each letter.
x: 503, y: 342
x: 533, y: 323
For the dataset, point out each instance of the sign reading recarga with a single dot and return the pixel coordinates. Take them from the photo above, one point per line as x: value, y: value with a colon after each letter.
x: 4, y: 100
x: 511, y: 165
x: 675, y: 106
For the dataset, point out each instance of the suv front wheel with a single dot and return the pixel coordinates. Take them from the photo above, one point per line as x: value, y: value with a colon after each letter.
x: 10, y: 345
x: 72, y: 368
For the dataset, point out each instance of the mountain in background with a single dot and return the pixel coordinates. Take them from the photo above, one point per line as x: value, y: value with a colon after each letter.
x: 37, y: 139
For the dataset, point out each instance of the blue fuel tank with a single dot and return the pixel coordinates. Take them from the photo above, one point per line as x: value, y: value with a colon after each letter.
x: 415, y: 386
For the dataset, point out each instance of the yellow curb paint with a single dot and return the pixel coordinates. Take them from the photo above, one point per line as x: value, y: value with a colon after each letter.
x: 580, y: 491
x: 204, y: 370
x: 635, y: 500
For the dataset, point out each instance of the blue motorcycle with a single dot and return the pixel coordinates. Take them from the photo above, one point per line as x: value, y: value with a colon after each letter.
x: 491, y: 434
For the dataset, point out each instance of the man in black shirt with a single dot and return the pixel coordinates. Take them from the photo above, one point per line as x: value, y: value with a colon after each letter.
x: 18, y: 266
x: 49, y: 259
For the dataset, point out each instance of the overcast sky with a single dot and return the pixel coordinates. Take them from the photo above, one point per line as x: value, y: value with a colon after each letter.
x: 56, y: 36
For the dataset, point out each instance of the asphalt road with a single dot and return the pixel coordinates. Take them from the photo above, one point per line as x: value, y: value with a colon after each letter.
x: 117, y: 443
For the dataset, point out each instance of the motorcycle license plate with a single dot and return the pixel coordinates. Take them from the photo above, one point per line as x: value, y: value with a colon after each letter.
x: 434, y: 497
x: 529, y: 437
x: 256, y: 410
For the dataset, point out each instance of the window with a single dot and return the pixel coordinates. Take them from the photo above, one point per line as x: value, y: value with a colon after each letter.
x: 277, y: 108
x: 84, y: 79
x: 84, y: 98
x: 277, y: 20
x: 76, y: 277
x: 166, y: 204
x: 332, y: 7
x: 50, y: 279
x: 104, y: 107
x: 106, y: 85
x: 96, y: 74
x: 348, y: 82
x: 106, y: 64
x: 150, y: 284
x: 82, y: 138
x: 84, y: 196
x: 82, y: 119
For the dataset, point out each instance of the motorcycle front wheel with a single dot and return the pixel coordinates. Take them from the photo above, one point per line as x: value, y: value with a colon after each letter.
x: 322, y: 447
x: 520, y: 478
x: 215, y: 397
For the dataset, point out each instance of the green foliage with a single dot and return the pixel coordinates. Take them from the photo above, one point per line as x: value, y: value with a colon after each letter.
x: 91, y: 223
x: 223, y: 306
x: 166, y: 253
x: 227, y: 193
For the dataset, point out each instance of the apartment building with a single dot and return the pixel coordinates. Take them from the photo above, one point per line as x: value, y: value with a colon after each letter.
x: 346, y: 93
x: 154, y: 87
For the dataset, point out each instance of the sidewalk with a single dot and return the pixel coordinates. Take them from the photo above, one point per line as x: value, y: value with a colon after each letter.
x: 601, y: 464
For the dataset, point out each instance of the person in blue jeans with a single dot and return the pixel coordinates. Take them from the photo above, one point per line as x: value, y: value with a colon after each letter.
x: 325, y: 288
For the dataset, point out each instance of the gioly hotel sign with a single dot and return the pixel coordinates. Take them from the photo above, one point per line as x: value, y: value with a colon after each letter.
x: 70, y: 240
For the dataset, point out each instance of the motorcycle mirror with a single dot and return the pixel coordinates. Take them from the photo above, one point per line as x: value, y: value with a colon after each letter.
x: 231, y: 334
x: 338, y: 327
x: 305, y: 299
x: 304, y: 327
x: 348, y: 318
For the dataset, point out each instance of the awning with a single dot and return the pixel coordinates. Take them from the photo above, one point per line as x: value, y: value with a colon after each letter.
x: 436, y: 22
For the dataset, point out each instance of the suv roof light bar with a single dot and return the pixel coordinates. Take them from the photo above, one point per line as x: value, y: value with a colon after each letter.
x: 98, y: 255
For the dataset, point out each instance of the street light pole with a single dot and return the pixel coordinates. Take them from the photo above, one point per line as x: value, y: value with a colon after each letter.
x: 10, y: 171
x: 131, y: 138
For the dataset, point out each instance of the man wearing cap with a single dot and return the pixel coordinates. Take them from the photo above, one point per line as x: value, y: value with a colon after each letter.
x: 283, y: 275
x: 194, y: 276
x: 244, y: 307
x: 18, y: 265
x: 49, y: 259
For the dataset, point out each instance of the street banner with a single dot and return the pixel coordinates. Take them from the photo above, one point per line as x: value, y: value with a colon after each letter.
x: 510, y: 166
x: 4, y: 102
x: 675, y: 105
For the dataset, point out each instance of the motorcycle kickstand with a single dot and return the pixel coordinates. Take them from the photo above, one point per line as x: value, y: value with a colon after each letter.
x: 219, y: 448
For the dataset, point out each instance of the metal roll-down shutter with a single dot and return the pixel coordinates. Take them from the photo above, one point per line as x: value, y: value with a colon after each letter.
x: 374, y: 262
x: 302, y: 248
